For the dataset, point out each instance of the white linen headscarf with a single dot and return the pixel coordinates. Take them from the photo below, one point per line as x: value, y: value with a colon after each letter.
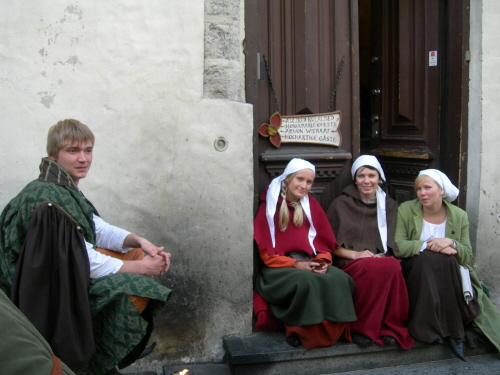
x: 273, y: 194
x: 372, y: 161
x: 450, y: 190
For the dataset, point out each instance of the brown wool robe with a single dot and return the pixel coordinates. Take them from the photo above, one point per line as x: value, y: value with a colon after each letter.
x: 354, y: 223
x: 380, y: 297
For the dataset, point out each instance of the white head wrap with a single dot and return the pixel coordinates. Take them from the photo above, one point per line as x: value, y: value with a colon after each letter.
x: 273, y: 194
x: 372, y: 161
x: 450, y: 190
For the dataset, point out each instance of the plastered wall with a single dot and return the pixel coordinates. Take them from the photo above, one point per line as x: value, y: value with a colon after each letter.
x: 133, y: 71
x: 483, y: 202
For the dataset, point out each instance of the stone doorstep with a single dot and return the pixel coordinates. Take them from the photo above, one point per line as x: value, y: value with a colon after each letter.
x: 198, y: 369
x: 485, y: 364
x: 266, y: 353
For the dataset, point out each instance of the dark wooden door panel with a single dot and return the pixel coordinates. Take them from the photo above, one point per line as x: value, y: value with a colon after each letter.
x: 304, y: 42
x: 421, y: 109
x: 411, y: 98
x: 409, y: 88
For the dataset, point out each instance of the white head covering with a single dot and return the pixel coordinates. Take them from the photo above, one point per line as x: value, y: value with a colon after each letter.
x: 450, y: 190
x: 372, y: 161
x: 273, y: 194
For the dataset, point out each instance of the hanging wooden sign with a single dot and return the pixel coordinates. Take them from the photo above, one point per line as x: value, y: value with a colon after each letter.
x: 322, y: 129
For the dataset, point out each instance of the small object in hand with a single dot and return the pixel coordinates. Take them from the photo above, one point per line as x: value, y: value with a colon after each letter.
x: 320, y: 261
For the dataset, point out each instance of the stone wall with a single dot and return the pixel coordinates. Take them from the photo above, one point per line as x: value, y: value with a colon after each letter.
x: 147, y: 77
x: 483, y: 204
x: 223, y: 50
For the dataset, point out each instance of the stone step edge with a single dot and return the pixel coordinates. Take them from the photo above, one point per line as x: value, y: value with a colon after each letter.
x: 267, y: 347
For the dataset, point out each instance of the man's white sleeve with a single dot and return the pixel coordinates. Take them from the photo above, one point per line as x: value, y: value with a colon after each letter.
x: 100, y: 264
x: 110, y: 237
x: 107, y: 237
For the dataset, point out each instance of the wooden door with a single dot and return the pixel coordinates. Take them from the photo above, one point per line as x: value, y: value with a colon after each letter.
x: 304, y: 42
x: 416, y: 120
x: 414, y: 88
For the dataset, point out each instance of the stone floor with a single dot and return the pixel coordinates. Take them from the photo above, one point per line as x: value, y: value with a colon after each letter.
x: 486, y: 364
x: 268, y: 354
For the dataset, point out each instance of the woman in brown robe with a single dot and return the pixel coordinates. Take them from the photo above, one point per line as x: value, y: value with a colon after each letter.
x: 363, y: 220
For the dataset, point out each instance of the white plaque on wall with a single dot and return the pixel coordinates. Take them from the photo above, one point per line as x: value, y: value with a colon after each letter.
x: 321, y: 129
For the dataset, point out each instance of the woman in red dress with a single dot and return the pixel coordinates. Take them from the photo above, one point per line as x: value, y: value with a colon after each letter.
x: 295, y: 242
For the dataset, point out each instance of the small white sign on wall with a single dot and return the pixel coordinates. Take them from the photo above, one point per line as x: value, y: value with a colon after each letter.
x: 433, y: 58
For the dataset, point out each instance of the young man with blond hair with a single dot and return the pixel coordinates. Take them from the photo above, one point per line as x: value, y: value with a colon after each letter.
x: 81, y: 281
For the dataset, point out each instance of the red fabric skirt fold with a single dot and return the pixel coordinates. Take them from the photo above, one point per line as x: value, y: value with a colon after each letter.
x: 320, y: 335
x: 380, y: 300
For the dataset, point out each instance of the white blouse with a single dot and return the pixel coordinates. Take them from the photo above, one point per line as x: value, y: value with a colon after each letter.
x: 432, y: 231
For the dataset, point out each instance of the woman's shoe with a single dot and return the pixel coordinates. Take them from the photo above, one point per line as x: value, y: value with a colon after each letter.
x: 389, y: 340
x: 457, y: 347
x: 361, y: 340
x: 293, y: 340
x: 438, y: 340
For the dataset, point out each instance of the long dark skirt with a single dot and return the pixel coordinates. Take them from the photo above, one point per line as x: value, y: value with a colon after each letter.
x: 380, y: 299
x: 437, y: 305
x: 299, y: 297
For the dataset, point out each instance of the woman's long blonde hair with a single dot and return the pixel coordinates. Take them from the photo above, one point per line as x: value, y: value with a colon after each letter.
x: 284, y: 215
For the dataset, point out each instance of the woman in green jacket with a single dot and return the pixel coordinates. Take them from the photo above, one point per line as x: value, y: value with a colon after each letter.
x: 433, y: 238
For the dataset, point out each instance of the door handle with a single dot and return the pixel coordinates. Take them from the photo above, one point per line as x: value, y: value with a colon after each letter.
x: 375, y: 125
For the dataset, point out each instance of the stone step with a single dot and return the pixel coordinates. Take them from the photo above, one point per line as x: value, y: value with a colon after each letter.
x: 198, y: 369
x: 267, y: 353
x: 486, y: 364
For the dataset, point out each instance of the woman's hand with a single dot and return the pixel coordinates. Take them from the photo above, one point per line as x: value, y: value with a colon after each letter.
x: 362, y: 254
x: 448, y: 251
x: 317, y: 267
x: 439, y: 244
x: 311, y: 266
x: 351, y: 254
x: 306, y: 266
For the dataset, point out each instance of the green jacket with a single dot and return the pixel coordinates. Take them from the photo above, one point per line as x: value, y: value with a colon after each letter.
x: 55, y: 187
x: 407, y: 236
x: 409, y: 228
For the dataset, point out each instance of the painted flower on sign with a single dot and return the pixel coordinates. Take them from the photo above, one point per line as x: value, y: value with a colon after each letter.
x: 271, y: 130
